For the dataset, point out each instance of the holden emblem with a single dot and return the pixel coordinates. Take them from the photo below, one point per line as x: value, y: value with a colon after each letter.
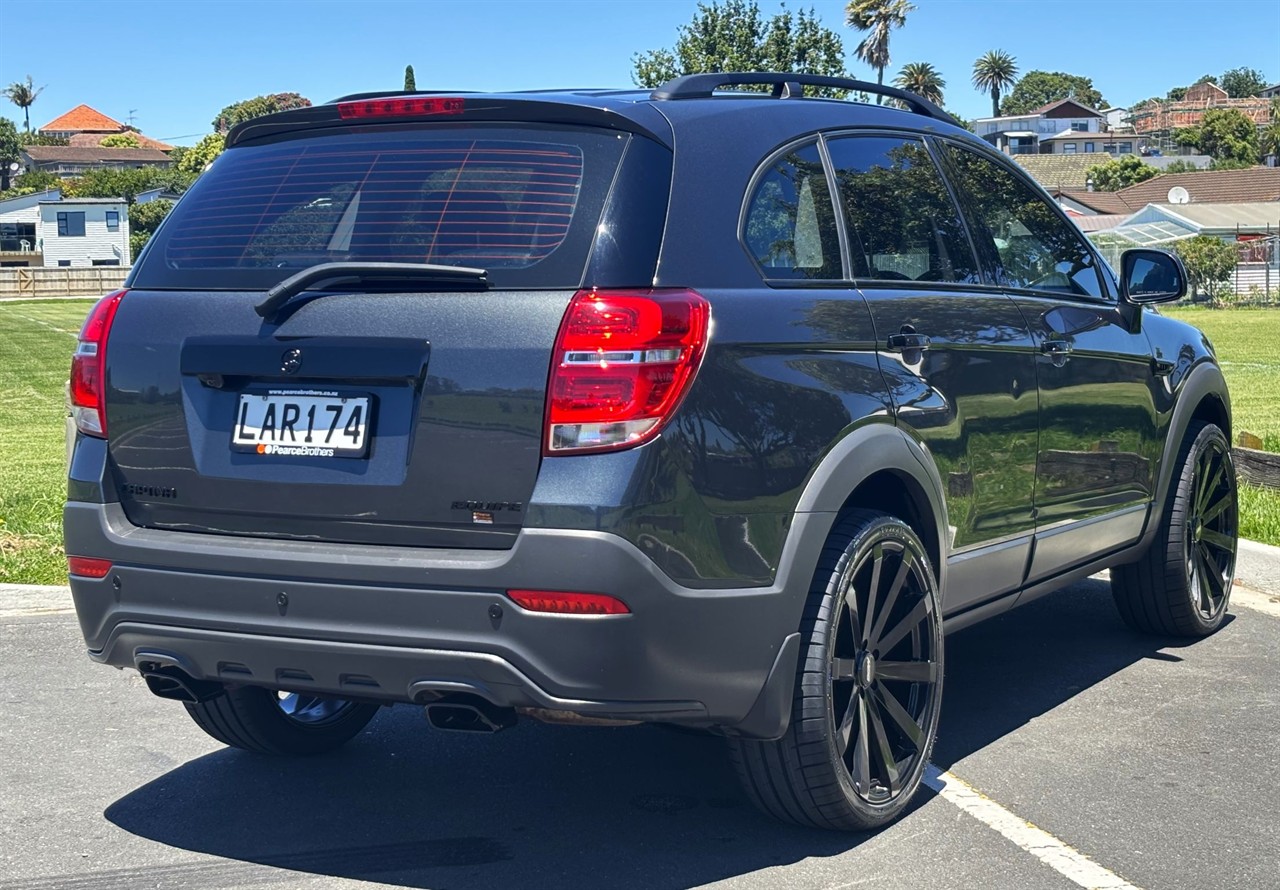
x: 291, y: 361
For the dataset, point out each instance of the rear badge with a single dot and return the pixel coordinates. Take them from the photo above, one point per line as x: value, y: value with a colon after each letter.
x: 291, y: 361
x: 481, y: 518
x: 482, y: 512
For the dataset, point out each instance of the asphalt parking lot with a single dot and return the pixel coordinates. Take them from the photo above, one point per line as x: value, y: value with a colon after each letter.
x: 1155, y: 759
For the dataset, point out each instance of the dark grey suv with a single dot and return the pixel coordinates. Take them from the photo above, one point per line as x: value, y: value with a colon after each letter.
x: 699, y: 407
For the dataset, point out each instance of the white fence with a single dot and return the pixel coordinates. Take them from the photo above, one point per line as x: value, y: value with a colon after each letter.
x: 35, y: 281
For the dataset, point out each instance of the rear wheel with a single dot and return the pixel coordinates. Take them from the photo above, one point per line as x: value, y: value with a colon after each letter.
x: 868, y: 686
x: 281, y: 723
x: 1182, y: 584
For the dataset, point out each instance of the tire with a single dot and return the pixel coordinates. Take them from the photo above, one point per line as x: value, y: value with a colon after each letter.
x: 859, y: 739
x: 1182, y: 585
x: 282, y: 724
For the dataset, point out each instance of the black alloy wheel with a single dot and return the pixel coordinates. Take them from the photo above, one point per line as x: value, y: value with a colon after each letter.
x: 868, y: 688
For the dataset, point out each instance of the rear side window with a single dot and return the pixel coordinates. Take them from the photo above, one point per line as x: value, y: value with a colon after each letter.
x: 903, y: 224
x: 790, y: 225
x: 522, y: 204
x: 1023, y: 238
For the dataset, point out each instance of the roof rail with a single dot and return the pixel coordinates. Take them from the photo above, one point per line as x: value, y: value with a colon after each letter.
x: 789, y: 85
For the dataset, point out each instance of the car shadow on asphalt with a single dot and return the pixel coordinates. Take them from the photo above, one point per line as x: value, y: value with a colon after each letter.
x: 546, y: 806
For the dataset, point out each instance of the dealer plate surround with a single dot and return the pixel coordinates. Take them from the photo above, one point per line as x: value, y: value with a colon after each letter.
x: 302, y: 423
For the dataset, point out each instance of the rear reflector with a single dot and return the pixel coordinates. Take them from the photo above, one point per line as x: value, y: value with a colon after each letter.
x: 401, y: 107
x: 88, y: 566
x: 623, y: 361
x: 569, y: 603
x: 89, y: 368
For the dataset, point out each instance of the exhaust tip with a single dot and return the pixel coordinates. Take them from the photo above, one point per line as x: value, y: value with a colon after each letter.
x: 469, y: 713
x: 171, y: 683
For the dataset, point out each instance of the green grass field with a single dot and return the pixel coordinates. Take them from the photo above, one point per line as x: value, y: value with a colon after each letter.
x: 36, y: 339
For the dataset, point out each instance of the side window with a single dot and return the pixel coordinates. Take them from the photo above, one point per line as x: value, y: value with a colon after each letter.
x: 1025, y: 241
x: 903, y: 225
x: 790, y: 225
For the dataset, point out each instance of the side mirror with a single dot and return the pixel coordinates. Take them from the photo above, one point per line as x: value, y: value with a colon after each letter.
x: 1151, y: 276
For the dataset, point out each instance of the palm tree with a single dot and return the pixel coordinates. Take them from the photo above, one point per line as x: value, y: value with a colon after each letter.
x: 24, y: 96
x: 922, y: 79
x: 995, y: 71
x: 878, y: 17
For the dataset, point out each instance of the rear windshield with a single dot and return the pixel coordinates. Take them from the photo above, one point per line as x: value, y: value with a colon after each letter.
x: 523, y: 204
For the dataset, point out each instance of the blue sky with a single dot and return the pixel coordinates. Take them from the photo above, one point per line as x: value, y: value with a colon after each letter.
x: 175, y: 63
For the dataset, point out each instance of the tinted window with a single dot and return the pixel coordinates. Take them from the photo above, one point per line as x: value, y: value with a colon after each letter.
x: 522, y: 204
x: 1023, y: 238
x: 903, y: 224
x: 71, y: 224
x: 790, y: 227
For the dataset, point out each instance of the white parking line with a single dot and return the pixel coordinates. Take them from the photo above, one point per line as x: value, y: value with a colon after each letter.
x: 1062, y: 858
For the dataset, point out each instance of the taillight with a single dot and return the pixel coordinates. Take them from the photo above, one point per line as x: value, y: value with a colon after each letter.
x: 623, y: 360
x: 89, y: 368
x: 562, y: 603
x: 401, y: 107
x: 88, y: 566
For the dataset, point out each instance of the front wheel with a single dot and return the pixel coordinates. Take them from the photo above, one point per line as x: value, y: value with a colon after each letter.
x: 868, y: 685
x: 281, y: 723
x: 1182, y: 584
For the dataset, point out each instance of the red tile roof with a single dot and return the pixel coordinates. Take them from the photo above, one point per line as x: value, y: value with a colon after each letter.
x: 1208, y: 187
x: 1099, y: 202
x: 83, y: 118
x: 44, y: 154
x: 89, y: 140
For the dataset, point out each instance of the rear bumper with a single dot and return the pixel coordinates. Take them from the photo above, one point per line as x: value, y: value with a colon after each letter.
x: 398, y: 624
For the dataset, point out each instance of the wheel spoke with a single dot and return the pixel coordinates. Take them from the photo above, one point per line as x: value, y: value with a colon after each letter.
x: 891, y: 598
x: 1203, y: 495
x: 842, y: 668
x: 1214, y: 580
x: 877, y: 556
x: 851, y: 612
x: 862, y: 750
x: 1218, y: 539
x: 907, y: 671
x: 845, y: 730
x: 1217, y: 509
x: 883, y: 750
x: 892, y: 637
x: 1202, y: 479
x: 899, y: 715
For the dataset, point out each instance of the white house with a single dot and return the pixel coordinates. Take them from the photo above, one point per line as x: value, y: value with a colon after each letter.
x: 20, y: 227
x: 85, y: 232
x: 1062, y: 127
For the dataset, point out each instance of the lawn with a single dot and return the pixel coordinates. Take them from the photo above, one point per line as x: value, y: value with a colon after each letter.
x: 35, y: 354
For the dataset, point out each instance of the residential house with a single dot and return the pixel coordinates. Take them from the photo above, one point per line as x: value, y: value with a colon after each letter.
x: 85, y: 126
x: 1062, y: 127
x: 1247, y: 186
x: 66, y: 160
x: 1156, y: 120
x: 44, y: 229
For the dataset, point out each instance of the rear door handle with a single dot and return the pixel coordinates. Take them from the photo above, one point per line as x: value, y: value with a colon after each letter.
x: 1057, y: 350
x: 903, y: 342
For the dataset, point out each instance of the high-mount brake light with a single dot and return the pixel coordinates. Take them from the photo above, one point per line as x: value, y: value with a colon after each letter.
x: 562, y: 603
x: 623, y: 361
x: 414, y: 106
x: 89, y: 368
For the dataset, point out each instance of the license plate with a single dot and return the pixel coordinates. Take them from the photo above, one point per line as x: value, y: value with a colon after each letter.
x: 302, y: 423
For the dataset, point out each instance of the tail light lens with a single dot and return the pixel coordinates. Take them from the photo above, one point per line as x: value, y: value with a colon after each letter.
x: 88, y: 566
x: 623, y: 361
x: 89, y: 368
x: 561, y: 603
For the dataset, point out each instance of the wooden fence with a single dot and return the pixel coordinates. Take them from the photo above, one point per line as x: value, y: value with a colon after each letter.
x: 33, y: 282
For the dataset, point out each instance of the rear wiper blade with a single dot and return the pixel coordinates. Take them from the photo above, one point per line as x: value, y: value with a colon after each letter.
x: 329, y: 274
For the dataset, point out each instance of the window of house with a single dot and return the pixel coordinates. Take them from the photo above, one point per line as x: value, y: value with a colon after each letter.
x: 903, y: 225
x: 1126, y: 148
x: 70, y: 224
x: 113, y: 220
x: 790, y: 226
x: 1088, y: 148
x: 17, y: 236
x: 64, y: 262
x: 1022, y: 239
x: 1080, y: 126
x: 1069, y: 148
x: 106, y: 262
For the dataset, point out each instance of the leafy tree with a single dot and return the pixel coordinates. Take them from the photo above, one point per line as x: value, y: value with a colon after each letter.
x: 1111, y: 176
x: 239, y: 112
x: 878, y: 18
x: 9, y: 149
x: 922, y: 79
x: 1241, y: 83
x: 1180, y: 167
x: 1225, y: 134
x: 42, y: 139
x: 120, y: 140
x: 1209, y: 263
x: 144, y: 219
x: 734, y: 36
x: 1269, y: 138
x: 33, y: 181
x: 201, y: 155
x: 1208, y: 78
x: 409, y: 83
x: 126, y: 183
x: 1230, y: 164
x: 994, y: 72
x: 1038, y: 88
x: 1177, y: 94
x: 24, y: 96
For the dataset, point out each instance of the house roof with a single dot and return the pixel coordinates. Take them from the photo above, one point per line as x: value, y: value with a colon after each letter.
x: 1208, y: 187
x: 1225, y: 217
x: 42, y: 154
x: 1099, y: 222
x: 83, y: 140
x: 1099, y: 202
x: 1045, y: 109
x: 87, y: 201
x: 1060, y: 171
x: 1077, y: 135
x: 82, y: 118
